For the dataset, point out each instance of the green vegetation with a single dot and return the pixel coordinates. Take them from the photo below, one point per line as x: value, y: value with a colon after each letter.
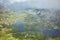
x: 6, y: 29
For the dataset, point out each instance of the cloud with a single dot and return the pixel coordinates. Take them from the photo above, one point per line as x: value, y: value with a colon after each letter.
x: 34, y: 3
x: 13, y: 1
x: 44, y: 3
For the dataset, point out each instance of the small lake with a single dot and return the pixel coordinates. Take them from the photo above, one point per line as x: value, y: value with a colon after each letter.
x: 51, y: 33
